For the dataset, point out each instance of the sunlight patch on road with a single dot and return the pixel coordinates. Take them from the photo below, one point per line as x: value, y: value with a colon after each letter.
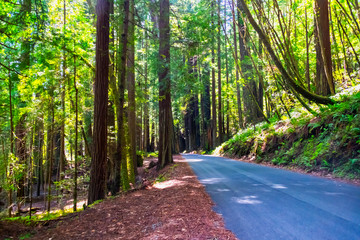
x: 168, y: 184
x: 223, y: 190
x: 194, y: 160
x: 250, y: 200
x: 211, y: 180
x: 278, y: 186
x: 334, y: 193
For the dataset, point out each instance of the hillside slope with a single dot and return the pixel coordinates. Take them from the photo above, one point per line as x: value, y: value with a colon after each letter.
x: 329, y: 142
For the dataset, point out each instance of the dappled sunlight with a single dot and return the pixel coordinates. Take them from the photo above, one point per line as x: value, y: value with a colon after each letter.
x: 79, y: 204
x: 188, y: 177
x: 251, y: 200
x: 194, y: 160
x: 278, y: 186
x: 334, y: 193
x: 211, y: 180
x: 67, y: 208
x: 223, y: 190
x: 168, y: 184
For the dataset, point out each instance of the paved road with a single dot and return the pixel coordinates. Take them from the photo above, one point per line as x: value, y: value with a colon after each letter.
x: 259, y: 202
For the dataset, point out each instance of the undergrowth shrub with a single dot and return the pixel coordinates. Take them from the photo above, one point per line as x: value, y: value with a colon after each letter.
x: 328, y: 142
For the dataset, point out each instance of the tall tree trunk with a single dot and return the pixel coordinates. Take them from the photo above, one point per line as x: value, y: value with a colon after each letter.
x: 121, y: 141
x: 146, y: 139
x: 213, y: 93
x: 113, y: 166
x: 131, y: 89
x: 76, y: 139
x: 325, y: 81
x: 11, y: 147
x: 20, y: 127
x: 98, y: 163
x: 227, y: 78
x: 238, y: 93
x: 220, y: 123
x: 165, y: 115
x: 51, y: 139
x: 250, y: 87
x: 307, y: 67
x: 21, y: 154
x: 31, y: 171
x: 38, y: 156
x: 205, y: 108
x: 62, y: 126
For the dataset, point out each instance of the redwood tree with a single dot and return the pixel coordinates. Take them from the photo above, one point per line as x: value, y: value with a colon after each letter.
x: 165, y: 115
x: 98, y: 163
x: 324, y: 79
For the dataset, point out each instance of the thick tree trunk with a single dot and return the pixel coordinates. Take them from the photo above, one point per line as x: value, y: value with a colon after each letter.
x: 131, y: 89
x: 325, y: 84
x: 121, y: 142
x: 250, y: 88
x: 165, y: 116
x: 98, y: 163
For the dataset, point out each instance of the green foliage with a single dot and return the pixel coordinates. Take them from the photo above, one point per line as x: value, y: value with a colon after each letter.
x: 95, y: 203
x: 38, y: 218
x: 25, y: 236
x: 329, y: 142
x: 160, y: 178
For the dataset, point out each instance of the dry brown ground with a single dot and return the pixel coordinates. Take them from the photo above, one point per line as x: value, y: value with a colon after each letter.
x: 177, y: 208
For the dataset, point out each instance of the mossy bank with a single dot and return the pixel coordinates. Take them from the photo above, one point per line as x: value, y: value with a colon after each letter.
x: 327, y: 143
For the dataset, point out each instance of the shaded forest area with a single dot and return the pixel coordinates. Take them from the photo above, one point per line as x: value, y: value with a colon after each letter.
x: 88, y: 89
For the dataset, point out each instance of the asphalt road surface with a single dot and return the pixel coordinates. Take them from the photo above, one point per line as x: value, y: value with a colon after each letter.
x: 259, y: 202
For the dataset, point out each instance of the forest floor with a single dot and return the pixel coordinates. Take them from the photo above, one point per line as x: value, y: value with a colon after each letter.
x: 175, y: 206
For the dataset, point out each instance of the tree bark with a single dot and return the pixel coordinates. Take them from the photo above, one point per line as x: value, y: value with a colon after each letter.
x: 220, y: 123
x: 131, y: 89
x: 62, y: 120
x: 98, y: 163
x: 146, y: 139
x: 205, y: 108
x: 323, y: 49
x: 238, y: 93
x: 121, y: 163
x: 76, y: 139
x: 213, y: 93
x: 165, y: 115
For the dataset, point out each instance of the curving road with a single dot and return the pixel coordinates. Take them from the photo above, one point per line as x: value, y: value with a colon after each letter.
x: 259, y: 202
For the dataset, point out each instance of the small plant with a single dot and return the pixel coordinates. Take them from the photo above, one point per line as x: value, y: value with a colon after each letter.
x: 25, y: 236
x: 160, y: 178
